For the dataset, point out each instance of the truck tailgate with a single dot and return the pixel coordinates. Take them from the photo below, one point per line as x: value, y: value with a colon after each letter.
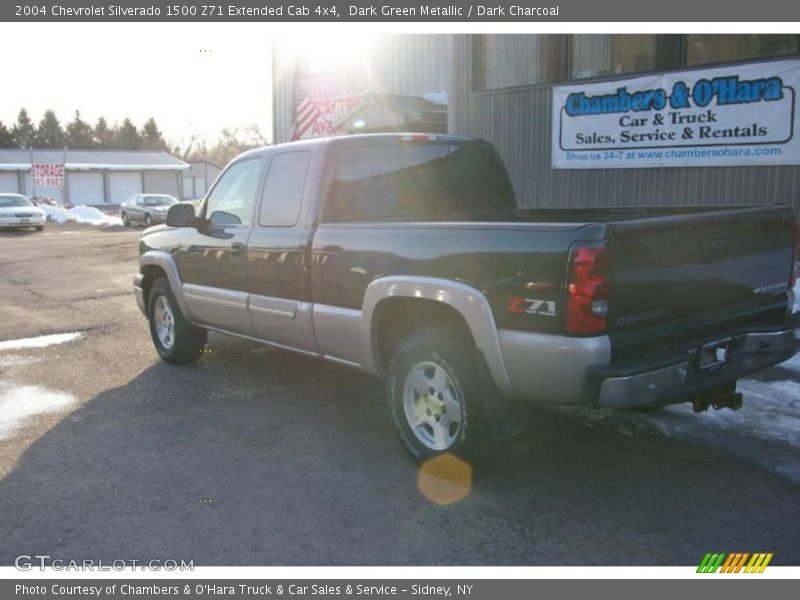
x: 666, y: 268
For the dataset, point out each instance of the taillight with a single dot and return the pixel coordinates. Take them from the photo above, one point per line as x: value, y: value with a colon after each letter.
x: 418, y: 137
x: 588, y: 287
x: 796, y: 269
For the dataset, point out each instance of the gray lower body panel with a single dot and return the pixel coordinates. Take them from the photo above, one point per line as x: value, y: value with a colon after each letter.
x: 551, y: 369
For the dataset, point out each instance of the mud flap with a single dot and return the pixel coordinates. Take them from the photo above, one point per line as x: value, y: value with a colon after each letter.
x: 504, y: 417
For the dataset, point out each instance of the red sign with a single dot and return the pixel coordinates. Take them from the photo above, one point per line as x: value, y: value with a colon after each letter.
x: 47, y: 175
x: 331, y: 111
x: 314, y: 118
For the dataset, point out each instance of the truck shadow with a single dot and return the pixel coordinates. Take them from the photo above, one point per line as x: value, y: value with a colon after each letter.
x: 259, y: 457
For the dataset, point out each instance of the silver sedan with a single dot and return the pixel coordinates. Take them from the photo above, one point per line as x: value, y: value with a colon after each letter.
x: 147, y: 209
x: 17, y: 210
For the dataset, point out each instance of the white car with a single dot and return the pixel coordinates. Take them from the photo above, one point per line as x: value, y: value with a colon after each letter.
x: 18, y: 211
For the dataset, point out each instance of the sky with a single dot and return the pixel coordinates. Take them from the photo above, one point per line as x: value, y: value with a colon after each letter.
x: 193, y: 78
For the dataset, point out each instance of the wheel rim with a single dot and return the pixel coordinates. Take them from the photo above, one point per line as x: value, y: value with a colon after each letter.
x: 164, y: 322
x: 147, y: 219
x: 431, y: 404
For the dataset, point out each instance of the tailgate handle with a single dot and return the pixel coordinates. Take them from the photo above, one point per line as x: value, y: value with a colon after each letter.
x: 717, y: 249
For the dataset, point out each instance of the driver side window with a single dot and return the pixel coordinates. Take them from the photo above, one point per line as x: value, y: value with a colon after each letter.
x: 232, y: 200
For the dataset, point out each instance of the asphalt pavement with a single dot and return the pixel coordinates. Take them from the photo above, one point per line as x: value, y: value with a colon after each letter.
x: 260, y: 457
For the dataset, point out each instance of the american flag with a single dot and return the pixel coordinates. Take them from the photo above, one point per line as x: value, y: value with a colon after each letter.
x: 305, y: 111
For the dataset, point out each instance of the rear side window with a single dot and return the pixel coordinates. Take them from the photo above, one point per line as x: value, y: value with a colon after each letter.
x: 283, y: 190
x: 415, y: 181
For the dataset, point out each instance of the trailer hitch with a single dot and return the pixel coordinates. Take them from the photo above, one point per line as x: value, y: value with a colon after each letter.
x: 720, y: 397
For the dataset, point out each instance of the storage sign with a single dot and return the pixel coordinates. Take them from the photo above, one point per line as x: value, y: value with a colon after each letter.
x: 47, y: 175
x: 740, y: 115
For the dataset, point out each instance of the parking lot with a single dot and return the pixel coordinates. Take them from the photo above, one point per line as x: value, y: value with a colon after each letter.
x: 259, y: 457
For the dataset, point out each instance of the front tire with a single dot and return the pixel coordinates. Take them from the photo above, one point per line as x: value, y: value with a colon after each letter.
x: 148, y: 220
x: 125, y: 220
x: 433, y: 396
x: 176, y: 340
x: 40, y: 228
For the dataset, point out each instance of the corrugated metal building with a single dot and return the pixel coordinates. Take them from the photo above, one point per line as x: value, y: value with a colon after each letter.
x: 502, y: 91
x: 93, y: 177
x: 500, y: 88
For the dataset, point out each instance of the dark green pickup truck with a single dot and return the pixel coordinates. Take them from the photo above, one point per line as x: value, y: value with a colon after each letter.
x: 406, y: 256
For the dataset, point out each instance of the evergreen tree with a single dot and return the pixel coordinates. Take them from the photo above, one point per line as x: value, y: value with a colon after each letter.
x: 79, y: 134
x: 24, y: 132
x: 6, y: 137
x: 49, y: 134
x: 151, y: 137
x: 127, y: 136
x: 103, y: 135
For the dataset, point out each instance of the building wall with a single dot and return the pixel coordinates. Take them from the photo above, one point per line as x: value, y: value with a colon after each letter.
x: 518, y: 122
x: 413, y: 64
x: 163, y: 182
x: 156, y: 182
x: 198, y: 178
x: 9, y: 182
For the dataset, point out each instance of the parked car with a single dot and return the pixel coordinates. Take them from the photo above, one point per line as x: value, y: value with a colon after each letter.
x: 17, y: 210
x: 148, y: 209
x: 407, y: 257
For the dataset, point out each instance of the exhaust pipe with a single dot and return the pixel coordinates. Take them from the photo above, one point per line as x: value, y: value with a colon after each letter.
x: 721, y: 397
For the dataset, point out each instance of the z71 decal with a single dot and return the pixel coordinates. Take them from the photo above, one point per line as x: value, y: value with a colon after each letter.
x: 532, y: 306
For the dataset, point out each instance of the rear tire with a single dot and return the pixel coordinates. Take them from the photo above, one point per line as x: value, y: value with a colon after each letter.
x: 434, y: 398
x: 40, y: 228
x: 177, y: 341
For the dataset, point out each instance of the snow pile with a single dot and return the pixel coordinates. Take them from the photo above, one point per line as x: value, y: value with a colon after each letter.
x: 793, y: 364
x: 766, y: 429
x: 797, y: 296
x: 15, y: 360
x: 770, y: 413
x: 87, y: 215
x: 39, y: 342
x: 19, y: 402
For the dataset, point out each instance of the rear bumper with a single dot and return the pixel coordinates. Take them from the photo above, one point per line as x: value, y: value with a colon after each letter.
x: 26, y: 222
x: 656, y: 382
x: 553, y: 369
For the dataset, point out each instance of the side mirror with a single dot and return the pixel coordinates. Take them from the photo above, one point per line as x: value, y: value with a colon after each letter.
x: 180, y: 215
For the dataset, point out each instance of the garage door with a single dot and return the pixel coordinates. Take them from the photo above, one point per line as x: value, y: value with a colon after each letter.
x: 199, y: 187
x: 9, y: 183
x: 194, y: 187
x: 122, y: 185
x: 86, y: 188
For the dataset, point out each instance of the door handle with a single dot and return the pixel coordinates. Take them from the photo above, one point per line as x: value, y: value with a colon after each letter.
x: 237, y: 249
